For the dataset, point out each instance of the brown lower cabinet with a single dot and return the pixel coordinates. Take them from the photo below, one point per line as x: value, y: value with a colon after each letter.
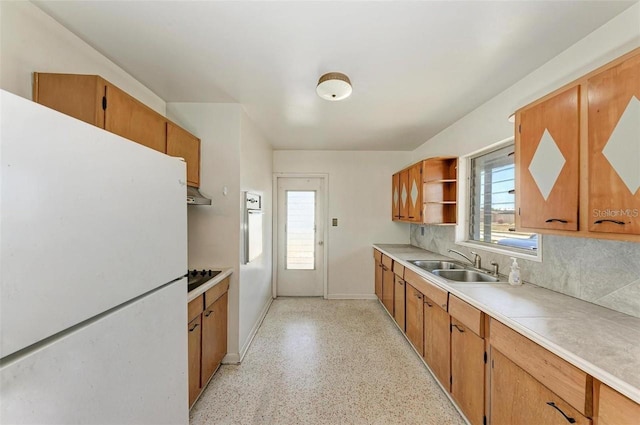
x: 207, y: 336
x: 467, y: 371
x: 194, y: 338
x: 518, y: 398
x: 387, y: 283
x: 437, y: 348
x: 398, y: 302
x: 414, y: 318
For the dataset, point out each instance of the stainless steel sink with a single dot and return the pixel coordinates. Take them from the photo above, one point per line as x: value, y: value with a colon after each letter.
x: 430, y: 265
x: 465, y: 275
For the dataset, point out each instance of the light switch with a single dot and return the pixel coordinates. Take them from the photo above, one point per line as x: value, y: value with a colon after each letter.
x: 334, y: 222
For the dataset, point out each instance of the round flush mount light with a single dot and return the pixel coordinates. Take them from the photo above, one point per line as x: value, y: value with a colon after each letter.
x: 334, y: 86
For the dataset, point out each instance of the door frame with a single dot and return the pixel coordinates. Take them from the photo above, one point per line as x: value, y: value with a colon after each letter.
x: 325, y: 245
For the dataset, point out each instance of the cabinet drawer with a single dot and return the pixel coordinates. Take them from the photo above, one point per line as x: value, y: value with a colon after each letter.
x: 387, y: 262
x: 195, y: 307
x: 518, y: 398
x: 616, y: 409
x: 398, y: 269
x: 470, y: 316
x: 216, y: 292
x: 435, y: 293
x: 561, y: 377
x: 377, y: 255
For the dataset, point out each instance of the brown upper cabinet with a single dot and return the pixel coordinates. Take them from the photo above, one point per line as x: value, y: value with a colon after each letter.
x: 94, y: 100
x: 614, y: 149
x: 548, y: 159
x: 185, y: 145
x: 426, y: 192
x: 577, y: 156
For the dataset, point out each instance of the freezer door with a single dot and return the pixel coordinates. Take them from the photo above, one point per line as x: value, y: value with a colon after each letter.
x: 88, y: 221
x: 129, y: 367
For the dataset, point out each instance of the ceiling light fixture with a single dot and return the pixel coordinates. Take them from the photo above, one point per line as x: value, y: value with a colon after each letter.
x: 334, y: 86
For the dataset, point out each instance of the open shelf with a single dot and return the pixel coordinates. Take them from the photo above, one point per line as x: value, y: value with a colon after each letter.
x: 440, y: 190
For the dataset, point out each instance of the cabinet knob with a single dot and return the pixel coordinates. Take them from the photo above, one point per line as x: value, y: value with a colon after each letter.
x: 208, y: 313
x: 194, y: 327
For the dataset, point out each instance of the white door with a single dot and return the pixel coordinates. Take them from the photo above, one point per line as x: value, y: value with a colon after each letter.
x: 300, y: 237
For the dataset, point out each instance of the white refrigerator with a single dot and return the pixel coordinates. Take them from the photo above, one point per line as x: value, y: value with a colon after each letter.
x: 93, y: 249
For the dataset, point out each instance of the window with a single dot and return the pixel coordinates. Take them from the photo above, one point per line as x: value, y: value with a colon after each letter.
x: 492, y: 204
x: 301, y: 230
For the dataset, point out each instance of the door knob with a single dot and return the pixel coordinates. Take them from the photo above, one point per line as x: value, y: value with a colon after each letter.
x: 320, y: 242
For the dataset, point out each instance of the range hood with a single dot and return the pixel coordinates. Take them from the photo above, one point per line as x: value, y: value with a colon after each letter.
x: 194, y: 197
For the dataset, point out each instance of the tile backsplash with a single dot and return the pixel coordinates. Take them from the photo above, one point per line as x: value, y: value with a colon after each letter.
x: 598, y: 271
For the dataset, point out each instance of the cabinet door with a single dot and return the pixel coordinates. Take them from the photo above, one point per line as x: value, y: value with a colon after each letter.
x: 79, y: 96
x: 616, y: 409
x: 467, y: 371
x: 378, y: 279
x: 547, y: 161
x: 129, y: 118
x: 387, y: 288
x: 398, y: 302
x: 404, y: 195
x: 415, y: 193
x: 395, y: 196
x: 183, y: 144
x: 414, y: 317
x: 221, y: 311
x: 437, y: 340
x: 517, y: 398
x: 614, y: 149
x: 213, y: 333
x: 194, y: 337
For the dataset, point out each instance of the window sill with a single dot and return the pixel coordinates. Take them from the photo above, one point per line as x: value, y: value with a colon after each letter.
x: 537, y: 257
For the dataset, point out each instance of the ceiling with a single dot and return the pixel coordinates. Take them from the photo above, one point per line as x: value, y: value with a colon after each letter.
x: 416, y: 67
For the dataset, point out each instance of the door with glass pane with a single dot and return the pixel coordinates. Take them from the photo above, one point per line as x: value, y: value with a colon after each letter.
x: 300, y: 237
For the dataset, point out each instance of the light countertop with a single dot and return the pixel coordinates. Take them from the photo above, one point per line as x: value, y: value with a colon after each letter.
x: 224, y: 272
x: 602, y: 342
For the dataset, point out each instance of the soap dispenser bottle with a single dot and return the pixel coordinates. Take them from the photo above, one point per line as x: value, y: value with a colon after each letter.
x: 514, y: 275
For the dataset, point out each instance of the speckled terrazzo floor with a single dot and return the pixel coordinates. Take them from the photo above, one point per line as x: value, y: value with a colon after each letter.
x: 318, y: 361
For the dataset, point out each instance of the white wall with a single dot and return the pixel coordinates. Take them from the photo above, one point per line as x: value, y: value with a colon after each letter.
x: 488, y: 123
x: 214, y: 230
x: 256, y: 158
x: 31, y: 40
x: 360, y: 198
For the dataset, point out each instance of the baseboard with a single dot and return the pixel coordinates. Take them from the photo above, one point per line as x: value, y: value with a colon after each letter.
x: 231, y: 358
x: 352, y: 297
x: 236, y: 358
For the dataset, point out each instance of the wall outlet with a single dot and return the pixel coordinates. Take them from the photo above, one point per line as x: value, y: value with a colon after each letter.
x: 421, y: 231
x: 334, y: 222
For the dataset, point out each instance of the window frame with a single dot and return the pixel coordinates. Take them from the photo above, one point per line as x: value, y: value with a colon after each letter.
x: 464, y: 210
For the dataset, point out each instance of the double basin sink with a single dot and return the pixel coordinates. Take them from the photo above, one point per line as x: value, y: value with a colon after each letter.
x: 454, y: 271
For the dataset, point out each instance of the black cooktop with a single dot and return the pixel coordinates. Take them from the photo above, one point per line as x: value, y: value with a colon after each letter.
x: 199, y: 277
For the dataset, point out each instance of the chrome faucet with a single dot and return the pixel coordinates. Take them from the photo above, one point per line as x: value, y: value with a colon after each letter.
x: 495, y: 268
x: 477, y: 261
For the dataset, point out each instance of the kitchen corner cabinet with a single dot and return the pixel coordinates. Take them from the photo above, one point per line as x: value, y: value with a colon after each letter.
x: 547, y: 157
x: 577, y: 156
x: 614, y: 149
x: 94, y: 100
x: 467, y: 359
x: 207, y: 336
